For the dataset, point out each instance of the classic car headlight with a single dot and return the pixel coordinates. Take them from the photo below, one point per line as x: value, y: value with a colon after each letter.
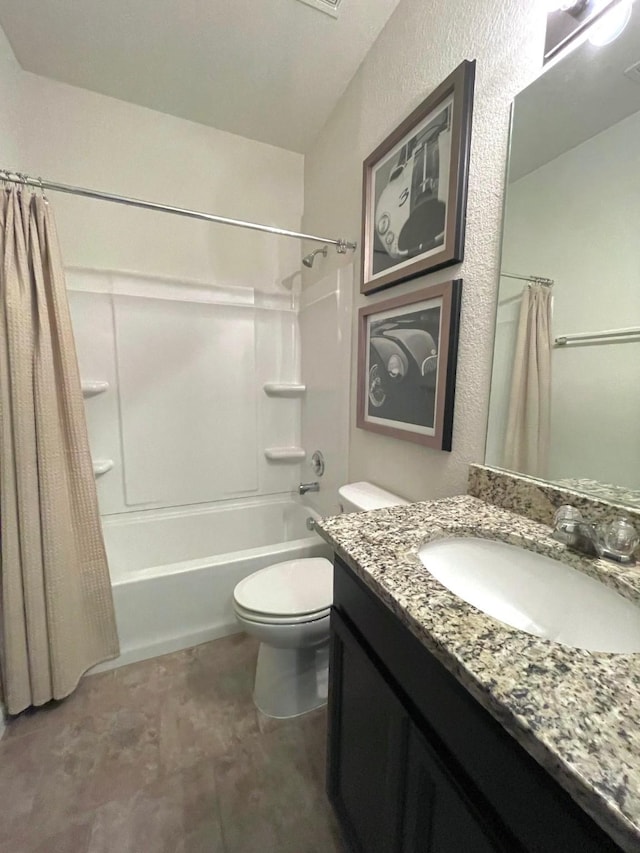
x: 383, y: 224
x: 395, y: 367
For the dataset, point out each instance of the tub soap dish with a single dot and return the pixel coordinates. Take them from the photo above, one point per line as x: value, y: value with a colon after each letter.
x: 93, y: 387
x: 101, y: 466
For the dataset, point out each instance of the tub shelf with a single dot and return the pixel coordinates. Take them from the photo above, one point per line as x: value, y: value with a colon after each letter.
x: 285, y: 454
x: 93, y: 387
x: 101, y: 466
x: 284, y: 389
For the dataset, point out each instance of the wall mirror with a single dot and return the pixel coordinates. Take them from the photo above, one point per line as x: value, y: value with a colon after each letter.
x: 565, y: 392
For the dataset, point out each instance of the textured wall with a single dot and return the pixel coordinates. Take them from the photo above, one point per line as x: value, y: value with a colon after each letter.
x: 421, y: 44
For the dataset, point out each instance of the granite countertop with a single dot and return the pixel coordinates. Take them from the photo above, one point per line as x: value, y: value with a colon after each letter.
x: 576, y: 712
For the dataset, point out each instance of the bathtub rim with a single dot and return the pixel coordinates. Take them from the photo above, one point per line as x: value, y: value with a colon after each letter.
x: 203, y: 563
x: 139, y: 649
x: 162, y: 513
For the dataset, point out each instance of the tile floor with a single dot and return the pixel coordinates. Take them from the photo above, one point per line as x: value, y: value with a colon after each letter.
x: 166, y: 756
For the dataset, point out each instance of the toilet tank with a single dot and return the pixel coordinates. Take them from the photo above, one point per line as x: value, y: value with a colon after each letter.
x: 358, y: 497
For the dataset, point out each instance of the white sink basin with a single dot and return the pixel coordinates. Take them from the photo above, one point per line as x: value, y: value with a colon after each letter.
x: 535, y: 594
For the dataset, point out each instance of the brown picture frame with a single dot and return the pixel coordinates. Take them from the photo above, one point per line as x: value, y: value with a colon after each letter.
x: 401, y: 391
x: 408, y: 191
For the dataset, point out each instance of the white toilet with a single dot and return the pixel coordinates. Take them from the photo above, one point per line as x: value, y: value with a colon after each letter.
x: 286, y: 606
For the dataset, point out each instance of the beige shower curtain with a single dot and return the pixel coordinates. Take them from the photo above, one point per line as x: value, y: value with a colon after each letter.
x: 56, y: 609
x: 528, y: 420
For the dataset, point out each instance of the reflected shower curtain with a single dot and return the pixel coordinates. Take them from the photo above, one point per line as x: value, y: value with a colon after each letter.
x: 528, y: 419
x: 56, y: 609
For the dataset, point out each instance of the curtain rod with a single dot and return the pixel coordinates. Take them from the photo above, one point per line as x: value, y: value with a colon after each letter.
x: 537, y: 279
x: 9, y: 176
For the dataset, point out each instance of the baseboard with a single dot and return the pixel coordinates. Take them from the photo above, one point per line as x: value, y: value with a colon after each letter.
x: 167, y: 645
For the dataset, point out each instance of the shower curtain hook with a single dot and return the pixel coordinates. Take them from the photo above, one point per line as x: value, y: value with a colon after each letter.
x: 42, y: 191
x: 25, y: 185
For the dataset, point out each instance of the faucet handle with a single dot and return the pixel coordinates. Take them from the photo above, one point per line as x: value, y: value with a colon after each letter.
x: 565, y: 522
x: 615, y: 540
x: 619, y: 539
x: 566, y: 514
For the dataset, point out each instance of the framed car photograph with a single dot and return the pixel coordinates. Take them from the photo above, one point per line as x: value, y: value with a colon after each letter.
x: 407, y: 355
x: 415, y: 188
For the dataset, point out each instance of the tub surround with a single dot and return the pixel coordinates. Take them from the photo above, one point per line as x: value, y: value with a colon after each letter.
x: 576, y: 712
x: 538, y: 500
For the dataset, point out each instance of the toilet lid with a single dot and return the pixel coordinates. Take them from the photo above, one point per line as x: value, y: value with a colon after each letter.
x: 293, y: 588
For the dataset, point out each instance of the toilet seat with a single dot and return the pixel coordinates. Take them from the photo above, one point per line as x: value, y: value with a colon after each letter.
x: 266, y: 619
x: 287, y: 593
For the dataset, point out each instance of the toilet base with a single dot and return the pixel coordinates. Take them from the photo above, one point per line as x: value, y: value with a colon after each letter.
x: 291, y: 682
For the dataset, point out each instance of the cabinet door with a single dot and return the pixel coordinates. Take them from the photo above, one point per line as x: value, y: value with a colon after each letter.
x: 439, y: 816
x: 367, y: 747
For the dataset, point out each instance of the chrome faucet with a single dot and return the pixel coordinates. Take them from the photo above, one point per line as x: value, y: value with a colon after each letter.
x: 616, y: 540
x: 303, y: 488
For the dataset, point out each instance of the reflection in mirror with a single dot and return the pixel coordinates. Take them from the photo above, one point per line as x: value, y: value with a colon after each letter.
x: 565, y: 393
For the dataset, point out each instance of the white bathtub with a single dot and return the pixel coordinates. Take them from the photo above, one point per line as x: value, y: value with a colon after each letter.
x: 173, y: 572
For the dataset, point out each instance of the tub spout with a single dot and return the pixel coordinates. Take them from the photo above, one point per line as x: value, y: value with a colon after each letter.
x: 303, y: 488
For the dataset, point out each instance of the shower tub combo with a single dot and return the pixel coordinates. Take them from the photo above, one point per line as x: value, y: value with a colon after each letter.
x: 173, y: 571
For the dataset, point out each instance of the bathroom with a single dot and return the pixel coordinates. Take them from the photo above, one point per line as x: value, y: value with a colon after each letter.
x: 220, y: 370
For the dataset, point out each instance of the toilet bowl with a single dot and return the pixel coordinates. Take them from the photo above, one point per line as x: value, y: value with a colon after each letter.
x: 286, y: 607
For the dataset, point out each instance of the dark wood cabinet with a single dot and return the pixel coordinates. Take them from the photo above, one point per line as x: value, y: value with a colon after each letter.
x: 368, y: 736
x: 438, y: 814
x: 416, y: 765
x: 389, y: 787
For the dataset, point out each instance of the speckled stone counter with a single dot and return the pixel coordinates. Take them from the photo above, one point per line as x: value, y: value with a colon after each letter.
x: 603, y: 491
x: 576, y: 712
x: 539, y: 499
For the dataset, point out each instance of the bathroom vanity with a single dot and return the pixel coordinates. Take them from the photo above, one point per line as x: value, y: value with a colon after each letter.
x: 449, y: 731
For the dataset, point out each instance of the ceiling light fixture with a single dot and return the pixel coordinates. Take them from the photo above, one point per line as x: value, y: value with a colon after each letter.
x: 329, y: 7
x: 612, y: 23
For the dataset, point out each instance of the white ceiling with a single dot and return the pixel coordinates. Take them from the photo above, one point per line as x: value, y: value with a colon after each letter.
x: 270, y: 70
x: 581, y: 95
